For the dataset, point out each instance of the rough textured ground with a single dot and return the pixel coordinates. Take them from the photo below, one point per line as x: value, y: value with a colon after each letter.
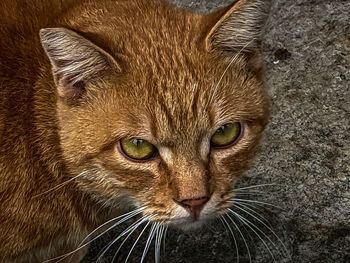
x: 305, y: 150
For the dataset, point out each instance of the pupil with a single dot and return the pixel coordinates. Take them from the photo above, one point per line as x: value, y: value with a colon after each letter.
x: 137, y: 142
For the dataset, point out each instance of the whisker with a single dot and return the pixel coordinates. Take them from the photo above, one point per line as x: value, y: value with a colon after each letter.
x: 158, y: 242
x: 127, y: 237
x: 248, y: 223
x: 210, y: 228
x: 105, y: 203
x: 237, y: 205
x: 241, y: 234
x: 250, y: 192
x: 124, y: 217
x: 270, y: 229
x: 156, y: 246
x: 143, y: 230
x: 130, y: 229
x: 223, y: 220
x: 256, y: 202
x: 259, y: 208
x: 256, y: 186
x: 154, y: 229
x: 55, y: 188
x: 165, y: 231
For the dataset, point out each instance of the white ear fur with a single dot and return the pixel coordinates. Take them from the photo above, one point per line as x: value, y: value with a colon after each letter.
x: 240, y: 28
x: 74, y: 59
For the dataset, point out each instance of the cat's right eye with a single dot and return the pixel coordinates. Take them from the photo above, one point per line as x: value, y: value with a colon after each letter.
x: 137, y: 149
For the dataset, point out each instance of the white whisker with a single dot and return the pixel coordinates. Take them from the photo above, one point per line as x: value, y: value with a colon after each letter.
x: 158, y: 243
x: 256, y: 207
x: 248, y: 223
x: 144, y: 219
x: 61, y: 185
x: 241, y: 234
x: 255, y: 186
x: 165, y: 231
x: 154, y: 229
x: 256, y: 202
x: 130, y: 229
x: 143, y: 230
x: 124, y: 217
x: 250, y: 192
x: 237, y: 205
x: 224, y: 222
x: 273, y: 232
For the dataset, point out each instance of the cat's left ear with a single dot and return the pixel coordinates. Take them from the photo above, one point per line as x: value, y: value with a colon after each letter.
x: 238, y: 29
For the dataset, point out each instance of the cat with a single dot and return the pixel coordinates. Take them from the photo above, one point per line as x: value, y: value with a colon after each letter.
x: 115, y: 106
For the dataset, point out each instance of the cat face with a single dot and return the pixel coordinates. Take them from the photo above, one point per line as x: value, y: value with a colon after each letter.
x: 170, y: 116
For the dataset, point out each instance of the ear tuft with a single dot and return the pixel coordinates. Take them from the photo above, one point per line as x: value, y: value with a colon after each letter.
x: 239, y: 29
x: 74, y: 60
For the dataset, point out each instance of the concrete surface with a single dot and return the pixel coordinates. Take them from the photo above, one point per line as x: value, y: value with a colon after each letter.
x: 305, y: 151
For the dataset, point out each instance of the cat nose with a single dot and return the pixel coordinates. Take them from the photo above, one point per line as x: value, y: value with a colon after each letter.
x: 193, y: 206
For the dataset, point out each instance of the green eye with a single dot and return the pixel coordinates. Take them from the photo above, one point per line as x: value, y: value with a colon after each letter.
x: 226, y: 135
x: 137, y: 149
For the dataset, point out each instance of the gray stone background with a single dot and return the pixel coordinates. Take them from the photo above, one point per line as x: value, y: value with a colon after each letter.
x: 305, y: 152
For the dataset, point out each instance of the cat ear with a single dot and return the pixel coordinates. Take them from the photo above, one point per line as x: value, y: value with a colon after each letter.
x: 74, y: 60
x: 238, y: 29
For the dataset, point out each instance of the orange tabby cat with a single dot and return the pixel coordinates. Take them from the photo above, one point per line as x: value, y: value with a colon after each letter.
x: 121, y: 105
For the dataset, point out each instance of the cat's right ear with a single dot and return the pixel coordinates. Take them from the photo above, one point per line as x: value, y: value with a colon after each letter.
x: 237, y: 29
x: 74, y: 61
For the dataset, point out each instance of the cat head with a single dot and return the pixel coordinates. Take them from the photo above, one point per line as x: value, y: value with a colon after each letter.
x: 157, y: 107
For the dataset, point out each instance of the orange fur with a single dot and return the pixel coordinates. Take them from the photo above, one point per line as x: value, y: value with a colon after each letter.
x: 144, y: 69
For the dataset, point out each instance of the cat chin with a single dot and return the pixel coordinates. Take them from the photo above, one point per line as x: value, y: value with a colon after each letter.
x: 188, y: 224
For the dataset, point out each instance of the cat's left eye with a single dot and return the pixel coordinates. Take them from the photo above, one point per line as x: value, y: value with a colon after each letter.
x: 137, y: 149
x: 226, y: 135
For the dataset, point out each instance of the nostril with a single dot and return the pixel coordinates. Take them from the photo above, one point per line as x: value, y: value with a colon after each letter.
x: 193, y: 206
